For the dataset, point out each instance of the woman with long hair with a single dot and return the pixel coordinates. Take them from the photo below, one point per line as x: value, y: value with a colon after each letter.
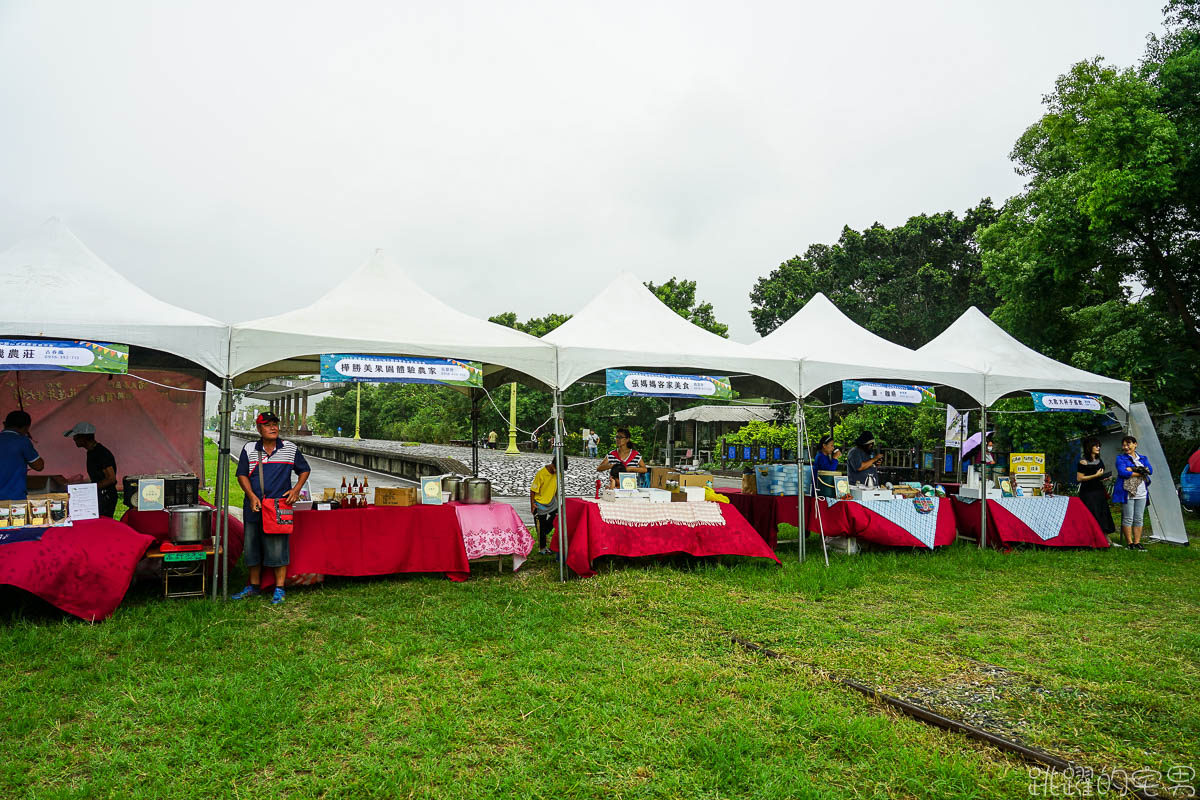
x: 622, y: 458
x: 1090, y: 474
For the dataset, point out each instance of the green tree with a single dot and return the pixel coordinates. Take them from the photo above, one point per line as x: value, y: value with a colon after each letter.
x: 1097, y: 261
x: 680, y: 297
x: 906, y: 284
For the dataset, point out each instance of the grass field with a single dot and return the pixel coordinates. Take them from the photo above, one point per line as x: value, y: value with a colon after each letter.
x: 623, y: 685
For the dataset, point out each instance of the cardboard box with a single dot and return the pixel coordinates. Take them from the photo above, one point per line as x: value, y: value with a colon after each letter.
x: 696, y: 479
x: 679, y: 497
x: 694, y: 494
x: 660, y: 475
x: 400, y: 496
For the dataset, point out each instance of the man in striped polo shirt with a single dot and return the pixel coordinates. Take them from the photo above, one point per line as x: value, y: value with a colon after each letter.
x: 277, y: 459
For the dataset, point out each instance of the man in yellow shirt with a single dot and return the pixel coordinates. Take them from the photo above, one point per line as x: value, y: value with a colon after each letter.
x: 543, y: 502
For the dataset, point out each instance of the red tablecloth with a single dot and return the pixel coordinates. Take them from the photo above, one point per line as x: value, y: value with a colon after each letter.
x: 155, y: 523
x: 851, y: 518
x: 844, y: 518
x: 765, y: 511
x: 380, y: 540
x: 1079, y: 527
x: 592, y: 537
x: 84, y: 570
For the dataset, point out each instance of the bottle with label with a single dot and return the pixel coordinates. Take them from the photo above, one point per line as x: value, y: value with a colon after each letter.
x: 343, y: 489
x: 364, y: 491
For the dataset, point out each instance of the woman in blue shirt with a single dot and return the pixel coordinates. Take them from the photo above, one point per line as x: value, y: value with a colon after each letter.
x: 826, y: 462
x: 1131, y: 491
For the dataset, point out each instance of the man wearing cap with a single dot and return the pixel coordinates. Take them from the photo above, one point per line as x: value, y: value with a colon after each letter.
x: 277, y: 459
x: 17, y: 456
x: 101, y: 466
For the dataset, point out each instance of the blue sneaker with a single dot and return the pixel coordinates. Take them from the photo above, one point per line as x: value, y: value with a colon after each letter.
x: 249, y: 591
x: 277, y: 598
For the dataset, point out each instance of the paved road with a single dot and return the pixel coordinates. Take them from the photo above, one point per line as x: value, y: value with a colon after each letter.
x: 329, y: 473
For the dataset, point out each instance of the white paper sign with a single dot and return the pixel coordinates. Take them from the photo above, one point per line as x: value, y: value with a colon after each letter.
x: 84, y: 502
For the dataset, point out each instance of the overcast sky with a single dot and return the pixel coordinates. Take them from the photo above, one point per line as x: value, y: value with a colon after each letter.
x: 516, y: 153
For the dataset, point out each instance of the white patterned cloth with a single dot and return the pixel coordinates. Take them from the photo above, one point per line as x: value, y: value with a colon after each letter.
x: 494, y: 529
x: 640, y: 512
x: 1042, y: 515
x: 904, y: 514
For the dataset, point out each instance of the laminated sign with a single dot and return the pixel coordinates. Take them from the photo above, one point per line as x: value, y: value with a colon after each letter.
x: 68, y: 356
x: 626, y: 383
x: 886, y: 394
x: 1086, y: 403
x: 398, y: 369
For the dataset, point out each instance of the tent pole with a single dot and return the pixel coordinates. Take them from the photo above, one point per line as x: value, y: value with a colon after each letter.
x: 223, y: 490
x: 800, y: 471
x: 559, y: 485
x: 982, y: 481
x: 218, y: 478
x: 670, y: 433
x: 475, y: 433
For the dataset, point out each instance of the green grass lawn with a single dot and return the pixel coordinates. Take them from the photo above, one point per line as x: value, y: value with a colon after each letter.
x: 623, y: 685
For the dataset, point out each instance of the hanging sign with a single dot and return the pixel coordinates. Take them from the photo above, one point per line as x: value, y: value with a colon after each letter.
x: 956, y: 427
x: 398, y: 369
x: 623, y: 383
x: 1087, y: 403
x: 887, y: 394
x: 66, y: 356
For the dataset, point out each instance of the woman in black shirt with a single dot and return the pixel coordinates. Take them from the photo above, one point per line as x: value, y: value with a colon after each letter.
x: 1091, y: 474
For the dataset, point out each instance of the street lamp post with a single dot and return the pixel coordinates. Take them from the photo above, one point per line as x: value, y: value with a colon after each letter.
x: 357, y: 408
x: 512, y: 423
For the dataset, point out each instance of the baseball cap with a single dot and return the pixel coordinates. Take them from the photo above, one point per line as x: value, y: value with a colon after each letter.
x: 80, y: 428
x: 265, y: 417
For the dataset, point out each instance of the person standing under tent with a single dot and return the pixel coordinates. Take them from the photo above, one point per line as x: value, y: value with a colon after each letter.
x: 17, y: 456
x: 861, y: 461
x: 1090, y: 474
x: 101, y: 466
x: 543, y: 502
x: 824, y: 465
x: 1131, y: 492
x: 270, y: 462
x: 623, y: 458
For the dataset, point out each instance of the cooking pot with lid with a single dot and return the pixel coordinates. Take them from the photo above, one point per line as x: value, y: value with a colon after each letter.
x: 450, y: 483
x: 478, y: 491
x: 189, y: 524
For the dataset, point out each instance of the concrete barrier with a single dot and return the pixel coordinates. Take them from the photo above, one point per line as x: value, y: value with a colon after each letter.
x: 402, y: 465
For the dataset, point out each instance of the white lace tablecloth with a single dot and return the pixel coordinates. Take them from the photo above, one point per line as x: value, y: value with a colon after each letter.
x: 640, y: 512
x: 494, y: 529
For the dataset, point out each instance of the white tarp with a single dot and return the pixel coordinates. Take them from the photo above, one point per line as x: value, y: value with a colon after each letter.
x: 55, y: 287
x: 975, y: 341
x: 379, y: 310
x: 832, y: 347
x: 1166, y: 517
x: 627, y: 326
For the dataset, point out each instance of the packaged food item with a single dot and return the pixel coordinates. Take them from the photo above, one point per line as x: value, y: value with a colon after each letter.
x: 18, y: 513
x: 59, y: 509
x: 4, y: 515
x: 39, y: 512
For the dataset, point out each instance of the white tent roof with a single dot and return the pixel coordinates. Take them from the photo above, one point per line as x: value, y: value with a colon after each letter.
x: 627, y: 326
x: 832, y: 347
x: 57, y: 288
x: 723, y: 414
x: 379, y: 310
x: 1009, y: 366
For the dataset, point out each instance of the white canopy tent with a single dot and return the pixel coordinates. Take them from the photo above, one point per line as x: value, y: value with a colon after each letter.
x: 57, y: 287
x: 627, y: 326
x: 1008, y: 366
x: 379, y: 310
x: 832, y: 347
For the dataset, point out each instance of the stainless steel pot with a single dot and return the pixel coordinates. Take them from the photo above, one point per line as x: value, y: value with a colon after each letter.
x: 478, y: 491
x: 460, y: 491
x: 189, y: 524
x: 450, y: 483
